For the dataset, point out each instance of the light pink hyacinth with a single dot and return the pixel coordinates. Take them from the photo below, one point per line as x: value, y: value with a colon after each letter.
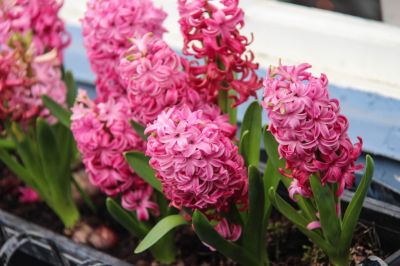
x: 311, y: 132
x: 196, y: 162
x: 39, y: 17
x: 107, y: 27
x: 24, y: 78
x: 222, y: 61
x: 103, y: 133
x: 152, y: 74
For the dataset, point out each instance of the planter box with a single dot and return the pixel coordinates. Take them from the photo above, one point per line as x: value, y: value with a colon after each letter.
x: 46, y: 248
x: 23, y: 243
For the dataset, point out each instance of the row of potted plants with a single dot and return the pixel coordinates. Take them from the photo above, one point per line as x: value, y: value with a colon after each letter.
x: 160, y: 138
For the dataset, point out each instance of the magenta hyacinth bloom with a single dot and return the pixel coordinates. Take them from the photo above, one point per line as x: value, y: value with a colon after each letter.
x: 39, y: 17
x: 107, y: 27
x: 27, y: 195
x: 196, y: 162
x: 103, y: 133
x: 152, y: 75
x: 311, y: 132
x: 228, y: 231
x: 24, y: 78
x: 211, y: 33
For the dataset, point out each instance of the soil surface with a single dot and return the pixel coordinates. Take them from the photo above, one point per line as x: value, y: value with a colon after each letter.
x: 286, y: 245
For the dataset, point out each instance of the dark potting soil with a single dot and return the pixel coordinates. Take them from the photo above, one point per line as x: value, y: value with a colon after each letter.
x: 286, y: 245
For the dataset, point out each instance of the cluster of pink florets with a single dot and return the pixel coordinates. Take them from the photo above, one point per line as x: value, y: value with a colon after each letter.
x: 152, y: 75
x: 103, y: 133
x: 107, y: 27
x: 222, y: 62
x: 24, y: 78
x: 197, y: 163
x: 311, y: 132
x: 36, y: 17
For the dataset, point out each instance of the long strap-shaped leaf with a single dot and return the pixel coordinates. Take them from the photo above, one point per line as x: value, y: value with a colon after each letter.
x: 207, y: 234
x: 353, y: 211
x: 17, y: 168
x: 301, y: 223
x: 252, y: 235
x: 139, y: 129
x: 62, y: 114
x: 159, y: 230
x: 271, y: 179
x: 252, y: 123
x: 140, y: 163
x: 71, y: 88
x: 324, y: 198
x: 129, y: 222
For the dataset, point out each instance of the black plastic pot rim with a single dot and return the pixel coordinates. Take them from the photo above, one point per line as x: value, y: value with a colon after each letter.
x: 46, y: 245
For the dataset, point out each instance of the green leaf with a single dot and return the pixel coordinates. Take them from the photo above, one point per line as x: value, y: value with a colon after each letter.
x: 253, y: 240
x: 50, y: 155
x: 299, y: 221
x: 139, y: 129
x: 324, y: 198
x: 56, y: 173
x: 252, y: 123
x: 271, y: 147
x: 206, y: 232
x: 17, y: 168
x: 159, y: 230
x: 140, y: 163
x: 124, y: 218
x: 232, y: 111
x: 271, y: 179
x: 242, y: 142
x: 7, y: 144
x: 71, y: 88
x: 63, y: 115
x: 353, y: 211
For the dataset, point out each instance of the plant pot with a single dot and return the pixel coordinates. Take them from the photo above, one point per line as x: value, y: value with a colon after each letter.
x: 23, y: 243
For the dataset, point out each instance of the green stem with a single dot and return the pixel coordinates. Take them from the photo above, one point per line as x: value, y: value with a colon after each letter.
x: 223, y: 101
x: 66, y: 210
x: 339, y: 259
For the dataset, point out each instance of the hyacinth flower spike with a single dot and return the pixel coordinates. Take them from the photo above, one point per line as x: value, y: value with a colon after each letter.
x: 214, y: 183
x: 307, y: 141
x: 43, y: 147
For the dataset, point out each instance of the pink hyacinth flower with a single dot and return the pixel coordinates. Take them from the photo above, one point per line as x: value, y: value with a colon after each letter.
x: 25, y: 77
x: 311, y: 132
x: 211, y: 35
x: 196, y: 162
x: 107, y: 28
x: 139, y: 201
x: 153, y: 77
x: 228, y: 231
x: 103, y: 134
x: 39, y: 17
x: 28, y: 195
